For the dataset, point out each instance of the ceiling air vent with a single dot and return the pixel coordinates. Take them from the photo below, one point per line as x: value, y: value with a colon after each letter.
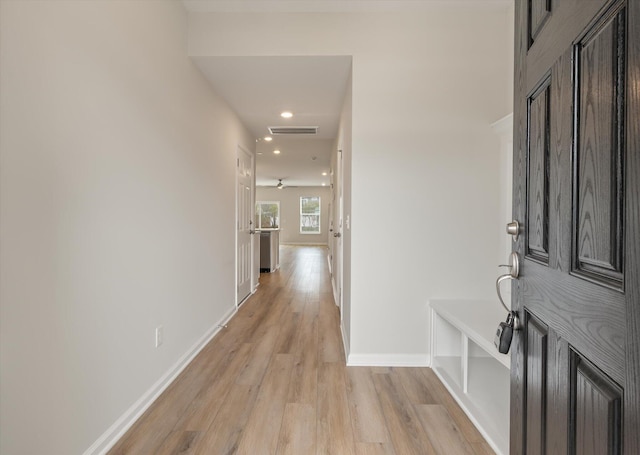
x: 293, y: 130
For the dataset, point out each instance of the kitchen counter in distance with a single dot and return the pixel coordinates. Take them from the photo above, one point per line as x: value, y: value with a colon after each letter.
x: 269, y: 250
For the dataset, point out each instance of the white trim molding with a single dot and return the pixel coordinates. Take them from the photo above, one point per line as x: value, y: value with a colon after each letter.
x: 389, y: 360
x: 110, y: 437
x: 504, y: 125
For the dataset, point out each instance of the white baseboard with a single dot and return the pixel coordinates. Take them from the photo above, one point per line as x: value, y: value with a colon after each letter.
x: 389, y: 360
x: 120, y: 426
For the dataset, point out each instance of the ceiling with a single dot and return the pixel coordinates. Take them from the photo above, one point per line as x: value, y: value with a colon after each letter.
x: 301, y: 162
x: 259, y: 89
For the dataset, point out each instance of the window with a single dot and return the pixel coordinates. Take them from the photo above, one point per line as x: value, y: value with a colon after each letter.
x: 310, y: 215
x: 268, y: 214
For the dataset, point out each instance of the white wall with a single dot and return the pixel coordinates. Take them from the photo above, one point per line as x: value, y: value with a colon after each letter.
x: 426, y: 87
x: 289, y: 198
x: 117, y: 210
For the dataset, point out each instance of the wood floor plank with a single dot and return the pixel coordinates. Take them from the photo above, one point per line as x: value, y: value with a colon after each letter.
x: 276, y: 308
x: 418, y: 391
x: 288, y: 333
x: 307, y: 336
x: 179, y: 443
x: 381, y: 370
x: 298, y: 302
x: 443, y: 397
x: 298, y: 431
x: 482, y: 448
x: 207, y: 403
x: 330, y: 343
x: 335, y: 432
x: 256, y: 364
x: 274, y: 380
x: 374, y: 448
x: 304, y: 379
x: 150, y: 431
x: 366, y: 413
x: 405, y: 429
x: 223, y: 435
x: 443, y: 433
x: 260, y: 435
x: 252, y: 320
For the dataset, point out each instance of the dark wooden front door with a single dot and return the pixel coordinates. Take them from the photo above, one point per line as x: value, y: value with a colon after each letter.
x: 576, y: 361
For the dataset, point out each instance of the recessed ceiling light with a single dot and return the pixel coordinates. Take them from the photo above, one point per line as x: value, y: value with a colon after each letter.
x: 259, y: 153
x: 323, y: 184
x: 277, y: 152
x: 286, y: 114
x: 324, y: 173
x: 268, y: 138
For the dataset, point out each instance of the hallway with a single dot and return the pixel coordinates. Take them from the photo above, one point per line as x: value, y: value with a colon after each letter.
x: 275, y: 381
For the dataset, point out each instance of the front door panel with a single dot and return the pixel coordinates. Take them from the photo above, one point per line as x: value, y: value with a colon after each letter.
x: 576, y: 192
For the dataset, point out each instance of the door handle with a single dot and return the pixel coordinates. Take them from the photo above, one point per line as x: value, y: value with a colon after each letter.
x: 500, y: 279
x: 514, y: 273
x: 337, y: 234
x: 513, y: 265
x: 516, y: 319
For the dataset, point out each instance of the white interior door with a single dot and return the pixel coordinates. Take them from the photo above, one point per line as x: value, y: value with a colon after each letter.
x: 244, y: 223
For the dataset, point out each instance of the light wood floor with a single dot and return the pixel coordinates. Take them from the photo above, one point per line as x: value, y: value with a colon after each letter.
x: 275, y: 382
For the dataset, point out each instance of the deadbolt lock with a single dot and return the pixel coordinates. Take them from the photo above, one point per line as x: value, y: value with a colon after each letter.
x: 513, y: 229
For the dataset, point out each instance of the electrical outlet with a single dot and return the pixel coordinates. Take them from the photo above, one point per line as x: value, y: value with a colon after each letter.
x: 159, y: 335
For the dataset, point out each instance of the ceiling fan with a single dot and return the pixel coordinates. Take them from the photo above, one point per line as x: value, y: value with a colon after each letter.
x: 280, y: 185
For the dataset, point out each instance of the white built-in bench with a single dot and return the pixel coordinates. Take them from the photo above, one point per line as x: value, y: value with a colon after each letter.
x: 467, y: 362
